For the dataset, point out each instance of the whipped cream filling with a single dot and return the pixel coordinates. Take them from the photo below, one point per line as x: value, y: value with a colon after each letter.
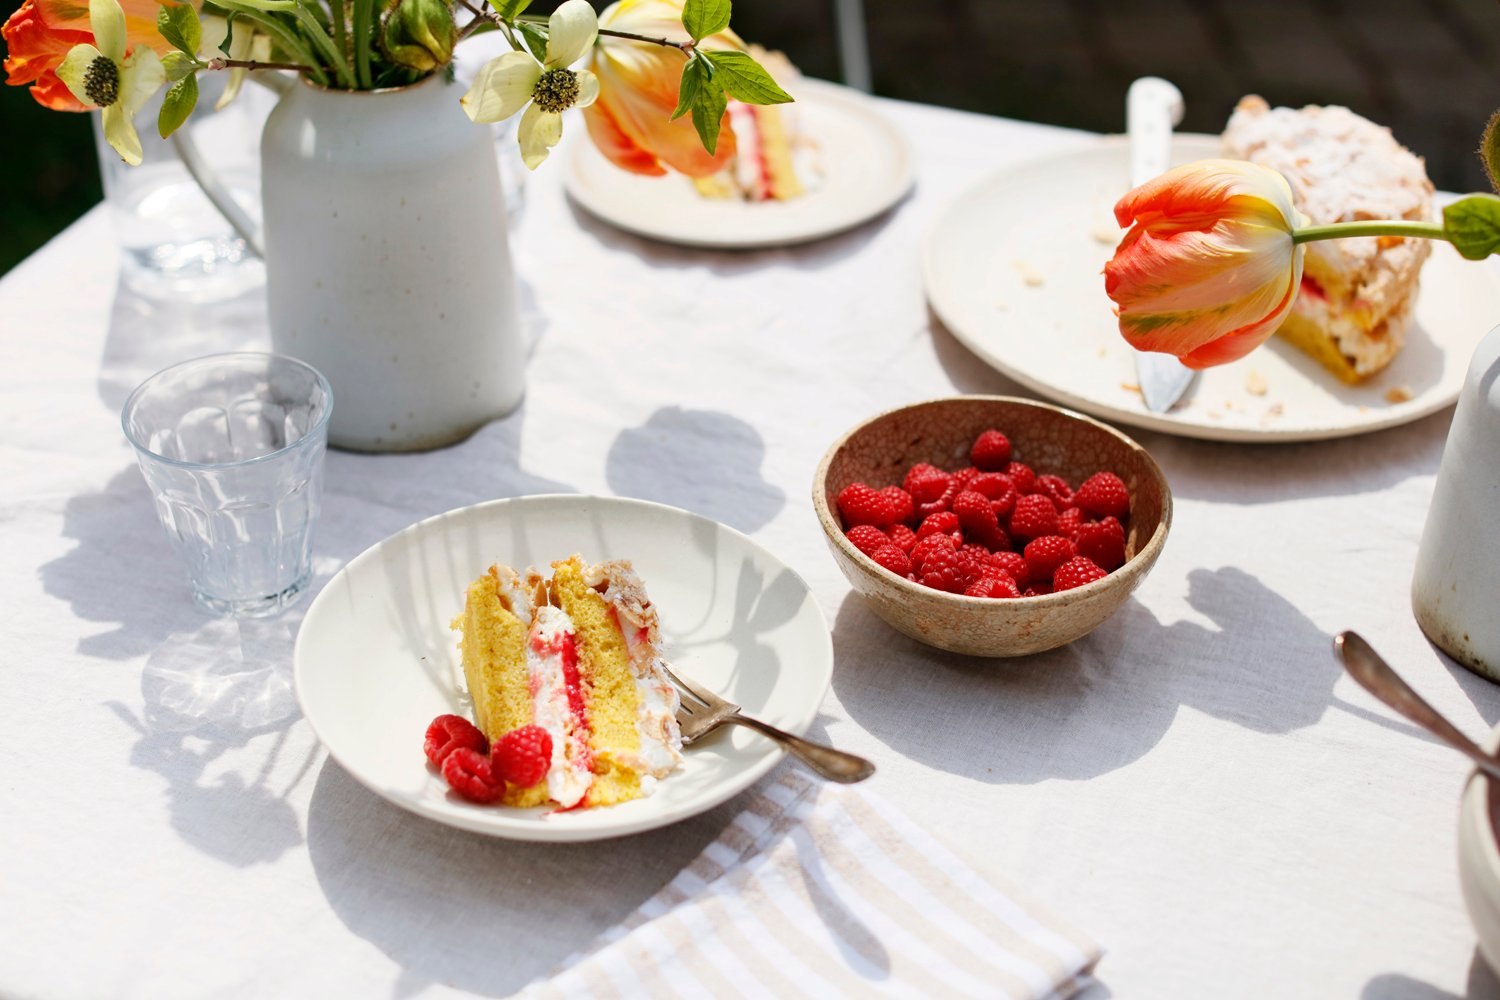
x: 548, y: 648
x: 661, y: 738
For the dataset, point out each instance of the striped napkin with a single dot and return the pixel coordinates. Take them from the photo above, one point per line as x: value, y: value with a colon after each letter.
x: 822, y: 890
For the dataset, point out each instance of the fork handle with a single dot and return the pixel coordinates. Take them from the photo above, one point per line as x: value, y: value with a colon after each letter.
x: 835, y: 765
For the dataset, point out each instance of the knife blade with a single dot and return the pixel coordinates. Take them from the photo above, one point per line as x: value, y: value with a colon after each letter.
x: 1152, y: 107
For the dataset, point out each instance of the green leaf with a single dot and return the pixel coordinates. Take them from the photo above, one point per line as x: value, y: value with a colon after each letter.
x: 693, y: 78
x: 1472, y: 225
x: 179, y: 65
x: 745, y: 79
x: 535, y: 39
x: 509, y: 10
x: 702, y: 18
x: 227, y: 45
x: 177, y: 105
x: 178, y: 24
x: 708, y: 113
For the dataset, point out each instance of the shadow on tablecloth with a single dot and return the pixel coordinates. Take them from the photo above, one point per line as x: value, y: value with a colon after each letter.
x: 1482, y: 985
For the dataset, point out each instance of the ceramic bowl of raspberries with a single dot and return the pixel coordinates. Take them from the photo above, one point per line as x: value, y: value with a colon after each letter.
x: 990, y: 525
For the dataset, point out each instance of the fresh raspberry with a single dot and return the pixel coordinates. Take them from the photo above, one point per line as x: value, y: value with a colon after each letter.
x: 944, y: 522
x: 1103, y: 542
x: 1045, y: 554
x: 963, y: 477
x: 928, y: 486
x: 1069, y: 521
x: 867, y: 538
x: 916, y: 472
x: 523, y: 755
x: 975, y: 514
x: 944, y: 571
x: 1104, y: 495
x: 1041, y: 589
x: 472, y: 775
x: 892, y: 558
x: 903, y: 537
x: 942, y: 503
x: 1057, y: 488
x: 998, y: 487
x: 1075, y: 573
x: 1022, y: 476
x: 929, y: 547
x: 993, y: 586
x: 975, y: 561
x: 991, y: 451
x: 901, y: 503
x: 1033, y: 517
x: 862, y: 505
x: 1014, y: 566
x: 449, y: 733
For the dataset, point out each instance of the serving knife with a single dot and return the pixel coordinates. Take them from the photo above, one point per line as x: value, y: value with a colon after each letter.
x: 1152, y: 107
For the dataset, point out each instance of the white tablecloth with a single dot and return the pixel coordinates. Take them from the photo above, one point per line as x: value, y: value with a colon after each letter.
x: 1196, y: 784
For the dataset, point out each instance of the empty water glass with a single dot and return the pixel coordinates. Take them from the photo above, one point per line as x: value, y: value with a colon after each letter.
x: 232, y: 448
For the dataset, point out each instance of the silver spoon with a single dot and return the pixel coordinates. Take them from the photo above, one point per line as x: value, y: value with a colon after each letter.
x: 1377, y: 677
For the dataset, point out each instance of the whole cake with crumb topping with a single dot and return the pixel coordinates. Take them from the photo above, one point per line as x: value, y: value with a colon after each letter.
x: 576, y: 654
x: 1357, y: 294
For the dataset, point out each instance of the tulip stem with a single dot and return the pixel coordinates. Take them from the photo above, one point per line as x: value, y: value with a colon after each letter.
x: 686, y: 46
x: 1374, y: 227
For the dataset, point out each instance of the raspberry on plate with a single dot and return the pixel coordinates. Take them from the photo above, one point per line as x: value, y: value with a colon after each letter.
x: 1043, y: 555
x: 522, y: 755
x: 1075, y: 573
x: 867, y: 538
x: 1104, y: 494
x: 1103, y: 542
x: 448, y: 733
x: 991, y: 451
x: 1033, y: 517
x: 472, y: 775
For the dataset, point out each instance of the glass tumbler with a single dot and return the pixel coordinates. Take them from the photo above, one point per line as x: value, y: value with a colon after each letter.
x: 232, y: 447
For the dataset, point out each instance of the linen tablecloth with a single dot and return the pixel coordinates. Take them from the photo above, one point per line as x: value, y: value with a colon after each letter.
x: 1195, y: 782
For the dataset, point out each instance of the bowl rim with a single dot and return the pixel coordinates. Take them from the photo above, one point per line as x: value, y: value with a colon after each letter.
x: 1144, y: 556
x: 1475, y: 796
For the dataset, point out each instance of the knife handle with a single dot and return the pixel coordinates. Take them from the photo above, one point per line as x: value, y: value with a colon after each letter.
x: 1152, y: 107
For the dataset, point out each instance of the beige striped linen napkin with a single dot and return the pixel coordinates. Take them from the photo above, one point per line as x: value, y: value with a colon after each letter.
x: 820, y: 890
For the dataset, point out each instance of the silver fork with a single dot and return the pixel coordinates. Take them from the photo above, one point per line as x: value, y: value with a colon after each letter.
x: 702, y: 712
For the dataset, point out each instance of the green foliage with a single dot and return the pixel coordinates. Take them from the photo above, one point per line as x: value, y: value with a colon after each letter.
x: 509, y: 10
x: 420, y: 34
x: 1472, y: 225
x: 535, y: 39
x: 181, y: 97
x: 744, y: 79
x: 702, y: 18
x: 178, y: 24
x: 708, y: 113
x: 179, y: 65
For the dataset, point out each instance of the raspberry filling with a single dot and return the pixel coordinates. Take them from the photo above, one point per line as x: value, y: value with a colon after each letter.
x: 558, y: 704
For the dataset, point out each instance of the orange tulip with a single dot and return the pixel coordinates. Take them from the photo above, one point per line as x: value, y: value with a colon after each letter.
x: 638, y: 84
x: 1208, y: 268
x: 41, y: 32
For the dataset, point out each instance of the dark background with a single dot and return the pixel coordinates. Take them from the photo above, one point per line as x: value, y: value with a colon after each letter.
x: 1430, y: 69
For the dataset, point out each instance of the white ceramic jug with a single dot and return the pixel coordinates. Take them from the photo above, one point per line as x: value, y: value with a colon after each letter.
x: 1455, y: 592
x: 387, y: 266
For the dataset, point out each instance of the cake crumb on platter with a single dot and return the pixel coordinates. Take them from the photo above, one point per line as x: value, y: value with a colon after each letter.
x: 1030, y: 277
x: 1398, y: 394
x: 1255, y: 383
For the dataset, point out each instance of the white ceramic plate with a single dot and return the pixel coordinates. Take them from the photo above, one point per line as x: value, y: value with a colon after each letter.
x: 1013, y: 268
x: 865, y: 161
x: 375, y: 660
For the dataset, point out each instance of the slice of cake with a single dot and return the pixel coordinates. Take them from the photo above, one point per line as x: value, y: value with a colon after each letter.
x: 774, y: 158
x: 1357, y: 294
x: 577, y: 655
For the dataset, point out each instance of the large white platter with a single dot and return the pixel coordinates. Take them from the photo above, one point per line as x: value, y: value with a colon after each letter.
x: 867, y: 169
x: 376, y: 661
x: 1013, y: 268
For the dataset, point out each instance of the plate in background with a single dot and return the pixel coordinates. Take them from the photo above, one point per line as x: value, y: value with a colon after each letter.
x: 376, y: 661
x: 867, y: 169
x: 1013, y: 267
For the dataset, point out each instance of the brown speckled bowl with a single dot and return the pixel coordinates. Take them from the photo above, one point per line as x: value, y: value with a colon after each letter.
x: 1047, y: 438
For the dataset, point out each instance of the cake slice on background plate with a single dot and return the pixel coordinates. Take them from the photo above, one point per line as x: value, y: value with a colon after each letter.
x: 774, y: 156
x: 1358, y: 294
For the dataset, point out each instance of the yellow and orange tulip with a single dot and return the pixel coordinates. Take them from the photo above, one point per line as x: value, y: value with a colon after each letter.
x: 1208, y: 269
x: 41, y: 33
x: 638, y: 91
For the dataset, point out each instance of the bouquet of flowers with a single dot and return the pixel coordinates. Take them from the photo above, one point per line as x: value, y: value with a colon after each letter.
x: 653, y: 77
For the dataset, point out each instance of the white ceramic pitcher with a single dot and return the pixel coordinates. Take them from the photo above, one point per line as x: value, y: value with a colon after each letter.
x: 387, y: 266
x: 1455, y: 592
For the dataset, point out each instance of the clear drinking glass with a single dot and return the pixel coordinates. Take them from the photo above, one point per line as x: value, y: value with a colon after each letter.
x: 232, y: 448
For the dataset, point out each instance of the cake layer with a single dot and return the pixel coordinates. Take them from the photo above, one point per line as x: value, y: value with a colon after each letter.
x: 1342, y: 345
